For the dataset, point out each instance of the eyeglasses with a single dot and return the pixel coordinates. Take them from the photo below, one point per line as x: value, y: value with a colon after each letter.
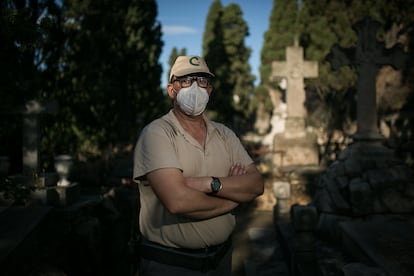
x: 203, y: 82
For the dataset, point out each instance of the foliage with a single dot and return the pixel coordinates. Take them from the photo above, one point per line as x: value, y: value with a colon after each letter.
x: 319, y: 25
x: 227, y: 55
x: 173, y: 56
x: 324, y: 23
x: 214, y: 53
x: 25, y: 47
x: 97, y: 59
x: 16, y: 191
x: 261, y: 95
x: 20, y: 36
x: 111, y: 65
x: 281, y: 34
x: 235, y: 31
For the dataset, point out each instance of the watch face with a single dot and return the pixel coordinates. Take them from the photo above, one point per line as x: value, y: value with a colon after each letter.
x: 215, y: 185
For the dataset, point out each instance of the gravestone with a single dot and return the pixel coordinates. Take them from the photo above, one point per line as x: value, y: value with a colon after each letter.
x: 294, y: 70
x: 367, y: 180
x: 365, y: 166
x: 367, y: 57
x: 44, y: 193
x: 30, y: 112
x: 298, y: 146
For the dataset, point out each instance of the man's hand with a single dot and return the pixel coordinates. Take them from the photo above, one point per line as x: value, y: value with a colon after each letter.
x: 181, y: 199
x: 202, y: 184
x: 237, y: 169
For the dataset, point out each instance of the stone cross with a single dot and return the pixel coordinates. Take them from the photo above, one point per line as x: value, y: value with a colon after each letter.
x: 30, y: 128
x: 294, y: 69
x: 367, y: 57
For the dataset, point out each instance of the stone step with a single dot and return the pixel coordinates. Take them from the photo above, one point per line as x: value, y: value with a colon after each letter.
x: 385, y: 242
x: 267, y: 257
x: 16, y: 225
x: 297, y: 262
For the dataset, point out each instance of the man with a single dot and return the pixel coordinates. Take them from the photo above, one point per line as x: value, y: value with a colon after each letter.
x: 192, y: 173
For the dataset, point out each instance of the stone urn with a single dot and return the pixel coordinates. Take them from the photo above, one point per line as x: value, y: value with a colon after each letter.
x: 63, y: 165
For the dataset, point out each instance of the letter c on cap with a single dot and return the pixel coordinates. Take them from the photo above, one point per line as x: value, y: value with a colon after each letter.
x: 195, y: 61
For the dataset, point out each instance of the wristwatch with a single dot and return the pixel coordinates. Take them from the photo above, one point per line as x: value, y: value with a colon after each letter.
x: 215, y: 185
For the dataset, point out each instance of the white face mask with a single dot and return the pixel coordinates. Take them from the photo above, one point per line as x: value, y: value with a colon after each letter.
x: 192, y: 100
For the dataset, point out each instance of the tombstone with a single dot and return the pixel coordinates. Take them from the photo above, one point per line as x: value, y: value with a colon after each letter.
x: 294, y: 70
x: 44, y: 193
x: 365, y: 199
x: 365, y: 168
x: 367, y: 57
x: 30, y: 112
x: 298, y: 145
x: 366, y: 157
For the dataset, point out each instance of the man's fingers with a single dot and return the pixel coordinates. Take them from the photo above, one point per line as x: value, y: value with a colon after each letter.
x: 237, y: 169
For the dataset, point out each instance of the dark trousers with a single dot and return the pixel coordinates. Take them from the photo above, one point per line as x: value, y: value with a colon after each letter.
x: 153, y: 268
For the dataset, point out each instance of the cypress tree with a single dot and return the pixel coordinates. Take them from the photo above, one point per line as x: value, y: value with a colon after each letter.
x: 227, y: 55
x: 213, y: 50
x: 111, y: 83
x: 30, y: 47
x: 235, y: 31
x: 283, y: 29
x: 173, y: 56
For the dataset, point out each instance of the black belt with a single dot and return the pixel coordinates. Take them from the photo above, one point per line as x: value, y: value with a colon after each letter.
x: 204, y: 259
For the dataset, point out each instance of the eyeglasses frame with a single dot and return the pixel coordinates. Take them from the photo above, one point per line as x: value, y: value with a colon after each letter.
x: 193, y: 78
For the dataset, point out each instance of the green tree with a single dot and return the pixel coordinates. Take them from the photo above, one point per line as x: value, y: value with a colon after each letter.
x: 110, y: 85
x: 282, y: 32
x: 29, y: 42
x: 283, y: 28
x: 324, y: 23
x: 214, y: 53
x: 227, y: 55
x: 235, y: 30
x: 173, y: 55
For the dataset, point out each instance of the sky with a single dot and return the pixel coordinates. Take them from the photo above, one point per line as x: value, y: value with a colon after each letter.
x: 183, y: 24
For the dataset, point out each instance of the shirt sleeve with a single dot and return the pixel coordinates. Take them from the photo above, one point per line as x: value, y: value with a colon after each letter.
x: 235, y: 147
x: 155, y: 150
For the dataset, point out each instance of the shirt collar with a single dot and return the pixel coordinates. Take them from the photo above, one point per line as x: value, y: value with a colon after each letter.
x: 171, y: 117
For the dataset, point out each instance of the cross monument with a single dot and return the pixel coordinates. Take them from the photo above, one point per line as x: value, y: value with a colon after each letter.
x: 296, y: 145
x: 294, y: 69
x: 367, y: 57
x: 30, y: 111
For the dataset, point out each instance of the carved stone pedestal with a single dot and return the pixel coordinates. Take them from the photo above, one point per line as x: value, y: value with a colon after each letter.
x: 297, y: 150
x: 67, y: 195
x: 58, y: 196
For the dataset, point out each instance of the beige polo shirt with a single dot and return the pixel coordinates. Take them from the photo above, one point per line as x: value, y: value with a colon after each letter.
x: 164, y: 144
